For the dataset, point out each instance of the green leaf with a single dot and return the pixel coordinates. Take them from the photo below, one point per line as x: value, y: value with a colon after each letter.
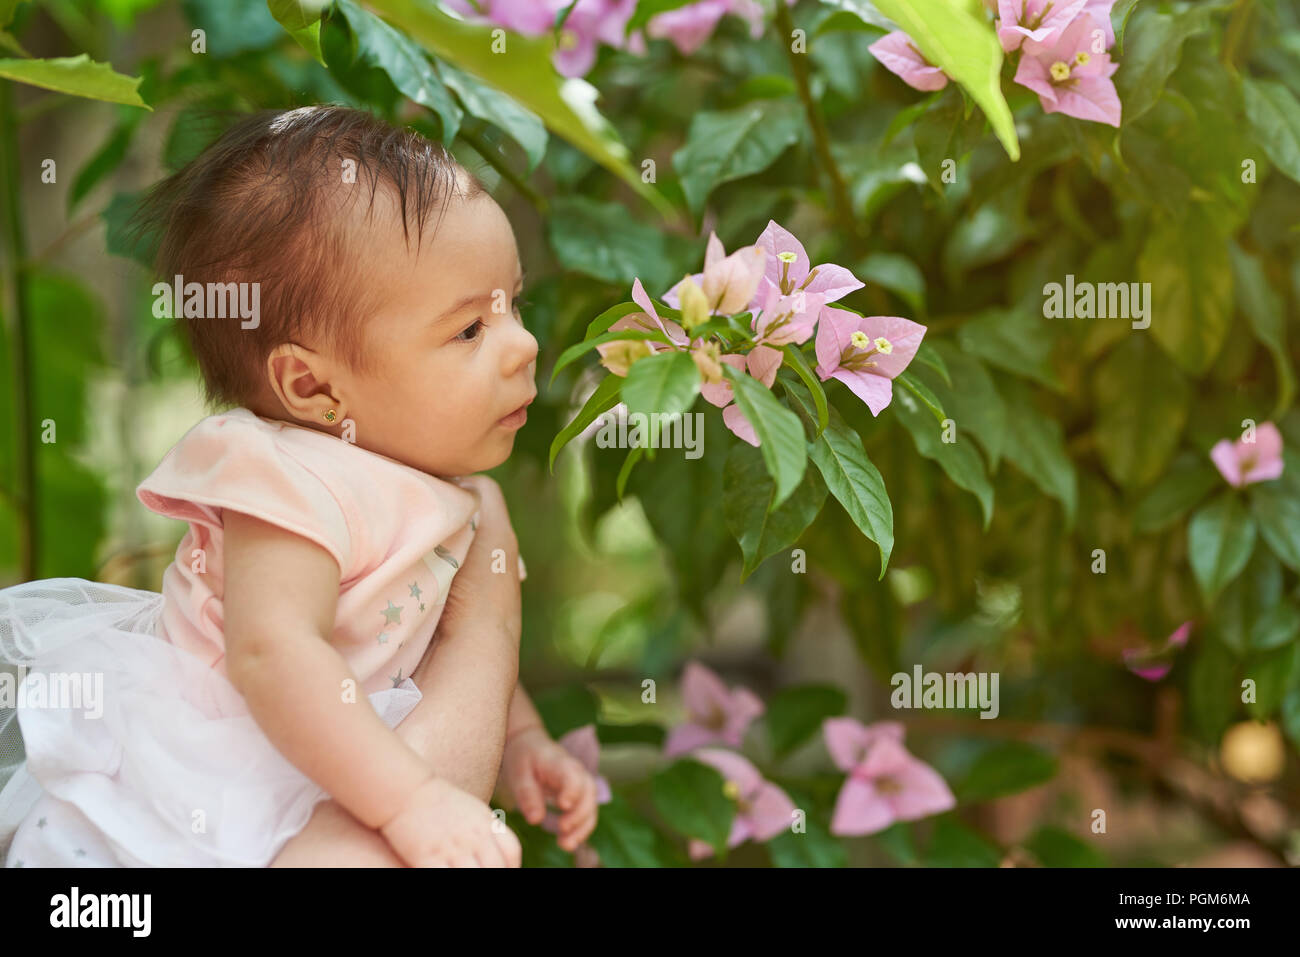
x: 297, y: 14
x: 1240, y: 612
x: 928, y: 355
x: 1264, y: 309
x: 956, y: 845
x: 622, y: 837
x: 1035, y: 444
x: 760, y: 528
x: 814, y: 847
x: 796, y: 360
x: 604, y: 397
x: 565, y: 104
x: 1186, y: 484
x: 964, y: 46
x: 1153, y: 54
x: 1011, y: 340
x: 1272, y: 673
x: 723, y: 146
x: 78, y: 76
x: 971, y: 399
x: 1142, y: 403
x: 852, y: 478
x: 1187, y: 264
x: 795, y: 714
x: 106, y: 159
x: 665, y: 384
x: 379, y: 45
x: 1277, y: 627
x: 600, y: 239
x: 1274, y: 115
x: 924, y: 393
x: 897, y: 273
x: 567, y: 707
x: 1055, y: 847
x: 1220, y: 538
x: 1213, y: 692
x: 959, y: 459
x: 1006, y: 769
x: 689, y: 796
x: 523, y: 125
x: 1278, y: 516
x: 780, y: 435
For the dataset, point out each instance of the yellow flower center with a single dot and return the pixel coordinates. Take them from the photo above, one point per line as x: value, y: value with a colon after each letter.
x: 860, y: 339
x: 884, y: 346
x: 1082, y: 58
x: 568, y: 40
x: 1060, y: 71
x: 731, y: 789
x: 787, y: 256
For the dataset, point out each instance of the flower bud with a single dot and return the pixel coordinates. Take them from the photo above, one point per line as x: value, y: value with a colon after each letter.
x: 708, y: 360
x: 695, y: 305
x: 619, y: 355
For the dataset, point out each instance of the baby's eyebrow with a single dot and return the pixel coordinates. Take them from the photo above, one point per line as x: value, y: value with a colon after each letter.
x: 476, y: 297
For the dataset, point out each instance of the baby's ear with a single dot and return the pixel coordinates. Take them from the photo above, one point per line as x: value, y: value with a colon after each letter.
x: 299, y: 378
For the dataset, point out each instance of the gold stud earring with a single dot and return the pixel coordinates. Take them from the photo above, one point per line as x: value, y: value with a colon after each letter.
x: 331, y: 415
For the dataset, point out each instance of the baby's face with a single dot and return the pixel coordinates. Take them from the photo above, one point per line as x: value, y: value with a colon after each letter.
x: 452, y: 357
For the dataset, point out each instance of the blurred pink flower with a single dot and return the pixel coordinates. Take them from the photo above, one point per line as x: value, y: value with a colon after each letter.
x: 898, y: 54
x: 591, y: 21
x: 866, y: 353
x: 1241, y: 462
x: 1041, y: 21
x: 763, y: 810
x: 1154, y: 665
x: 1069, y: 78
x: 717, y: 716
x: 729, y: 282
x: 888, y: 785
x: 848, y: 739
x: 761, y: 363
x: 690, y: 26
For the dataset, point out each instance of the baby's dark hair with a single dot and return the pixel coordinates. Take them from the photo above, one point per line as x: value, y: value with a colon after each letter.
x: 260, y: 205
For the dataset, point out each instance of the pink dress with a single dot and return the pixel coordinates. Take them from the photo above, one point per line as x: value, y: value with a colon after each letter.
x: 139, y: 751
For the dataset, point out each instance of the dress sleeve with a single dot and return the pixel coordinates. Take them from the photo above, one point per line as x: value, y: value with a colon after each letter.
x: 236, y: 462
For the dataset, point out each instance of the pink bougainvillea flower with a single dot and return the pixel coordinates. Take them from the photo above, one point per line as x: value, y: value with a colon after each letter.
x: 617, y: 356
x: 898, y: 54
x: 590, y: 23
x: 782, y: 319
x: 763, y: 810
x: 690, y: 26
x: 888, y: 785
x: 1154, y: 665
x: 1241, y: 462
x: 848, y: 740
x: 866, y: 353
x: 1099, y: 10
x: 1040, y: 21
x: 1069, y: 78
x: 787, y: 268
x: 729, y: 282
x: 717, y: 716
x: 761, y: 363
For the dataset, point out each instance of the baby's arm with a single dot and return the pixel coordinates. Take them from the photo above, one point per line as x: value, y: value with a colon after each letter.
x: 280, y: 600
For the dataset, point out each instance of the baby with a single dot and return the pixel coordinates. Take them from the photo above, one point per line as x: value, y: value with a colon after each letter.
x: 330, y: 512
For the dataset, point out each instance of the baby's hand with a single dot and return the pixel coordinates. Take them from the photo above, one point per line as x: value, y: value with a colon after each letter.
x: 535, y: 770
x: 443, y: 826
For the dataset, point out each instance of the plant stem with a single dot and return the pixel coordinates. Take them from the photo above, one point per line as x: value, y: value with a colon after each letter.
x: 25, y: 487
x: 821, y: 139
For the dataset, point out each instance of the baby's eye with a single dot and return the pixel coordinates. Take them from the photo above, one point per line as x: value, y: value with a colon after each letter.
x: 470, y: 332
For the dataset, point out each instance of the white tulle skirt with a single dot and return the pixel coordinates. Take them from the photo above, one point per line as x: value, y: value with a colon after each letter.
x: 118, y: 749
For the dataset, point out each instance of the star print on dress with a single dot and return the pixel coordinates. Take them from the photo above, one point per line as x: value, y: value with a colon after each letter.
x: 393, y: 613
x: 415, y: 591
x: 383, y: 638
x: 41, y: 823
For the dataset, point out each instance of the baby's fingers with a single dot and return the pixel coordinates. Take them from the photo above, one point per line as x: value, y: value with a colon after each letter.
x: 528, y: 797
